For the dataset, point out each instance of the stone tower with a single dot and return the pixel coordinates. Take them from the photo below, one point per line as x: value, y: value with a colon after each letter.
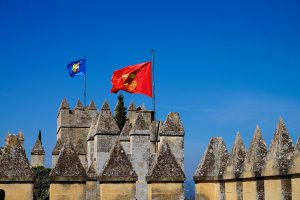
x: 37, y: 154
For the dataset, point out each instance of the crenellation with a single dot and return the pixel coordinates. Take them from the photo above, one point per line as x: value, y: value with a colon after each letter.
x: 281, y: 153
x: 236, y: 159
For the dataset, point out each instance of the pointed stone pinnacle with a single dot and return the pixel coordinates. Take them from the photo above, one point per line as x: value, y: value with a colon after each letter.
x: 79, y: 105
x: 143, y: 107
x: 106, y: 124
x: 282, y: 148
x: 118, y: 166
x: 165, y: 167
x: 173, y: 123
x: 105, y: 106
x: 57, y: 148
x: 91, y: 172
x: 14, y: 165
x: 124, y: 136
x: 64, y: 104
x: 38, y: 148
x: 140, y: 123
x: 68, y: 167
x: 92, y: 106
x: 213, y: 162
x: 237, y: 156
x: 131, y: 106
x: 256, y: 156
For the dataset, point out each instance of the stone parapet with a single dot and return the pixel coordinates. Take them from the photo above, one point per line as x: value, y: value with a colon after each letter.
x: 254, y: 174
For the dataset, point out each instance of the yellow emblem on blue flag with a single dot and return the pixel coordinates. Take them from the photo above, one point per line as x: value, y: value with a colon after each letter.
x: 76, y: 68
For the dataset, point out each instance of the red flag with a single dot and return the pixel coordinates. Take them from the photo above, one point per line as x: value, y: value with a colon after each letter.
x: 136, y: 79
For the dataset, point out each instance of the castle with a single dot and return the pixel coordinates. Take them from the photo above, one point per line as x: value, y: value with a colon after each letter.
x: 94, y: 160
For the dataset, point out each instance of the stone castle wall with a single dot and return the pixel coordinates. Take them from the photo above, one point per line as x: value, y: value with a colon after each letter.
x: 257, y: 174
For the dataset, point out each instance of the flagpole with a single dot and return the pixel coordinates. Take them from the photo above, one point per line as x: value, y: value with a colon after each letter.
x: 153, y: 99
x: 153, y: 84
x: 84, y: 92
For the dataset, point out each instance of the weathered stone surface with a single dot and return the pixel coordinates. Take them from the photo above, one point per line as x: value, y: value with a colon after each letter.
x: 282, y: 149
x: 213, y: 163
x: 64, y: 104
x: 256, y: 156
x: 78, y: 105
x: 172, y: 126
x: 165, y: 167
x: 68, y: 167
x: 154, y: 129
x: 124, y: 136
x: 118, y: 167
x: 237, y: 157
x: 58, y: 147
x: 140, y: 123
x: 38, y: 148
x: 14, y: 165
x: 91, y: 172
x: 79, y: 148
x: 106, y: 124
x: 131, y: 106
x: 297, y: 147
x: 92, y: 106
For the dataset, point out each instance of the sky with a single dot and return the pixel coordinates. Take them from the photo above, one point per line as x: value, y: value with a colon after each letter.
x: 225, y: 66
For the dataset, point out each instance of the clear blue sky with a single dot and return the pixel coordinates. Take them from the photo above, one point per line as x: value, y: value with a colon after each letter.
x: 223, y: 65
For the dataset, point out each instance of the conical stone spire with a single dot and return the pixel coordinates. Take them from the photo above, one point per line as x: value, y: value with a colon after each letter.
x: 105, y: 106
x: 91, y: 172
x: 64, y: 104
x: 118, y: 166
x: 68, y: 167
x: 124, y: 136
x: 213, y: 163
x: 281, y: 149
x: 140, y: 123
x: 172, y: 126
x: 165, y: 167
x: 92, y: 106
x: 106, y: 124
x: 256, y: 156
x: 131, y: 106
x: 58, y: 147
x: 237, y: 156
x: 79, y: 105
x: 38, y: 148
x: 14, y: 165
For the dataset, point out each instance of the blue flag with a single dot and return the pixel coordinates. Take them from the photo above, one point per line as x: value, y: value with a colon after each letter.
x: 77, y: 68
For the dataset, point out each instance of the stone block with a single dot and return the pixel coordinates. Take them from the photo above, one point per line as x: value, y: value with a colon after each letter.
x: 166, y: 191
x: 16, y: 190
x: 117, y: 191
x: 67, y: 191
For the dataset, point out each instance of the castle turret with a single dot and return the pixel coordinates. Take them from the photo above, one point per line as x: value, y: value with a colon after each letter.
x: 106, y: 134
x: 117, y: 179
x: 37, y: 154
x: 68, y: 177
x: 140, y: 153
x: 16, y: 176
x: 75, y: 124
x: 165, y: 176
x: 172, y: 132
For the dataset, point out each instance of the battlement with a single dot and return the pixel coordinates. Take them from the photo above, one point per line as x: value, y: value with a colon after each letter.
x: 258, y: 173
